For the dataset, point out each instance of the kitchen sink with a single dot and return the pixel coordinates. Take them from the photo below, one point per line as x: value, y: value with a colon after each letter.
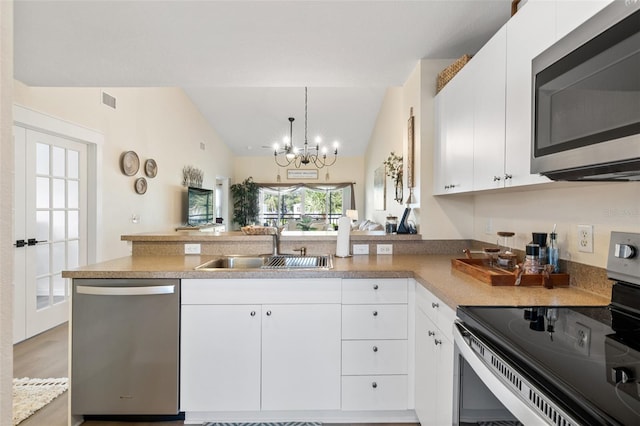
x: 268, y: 262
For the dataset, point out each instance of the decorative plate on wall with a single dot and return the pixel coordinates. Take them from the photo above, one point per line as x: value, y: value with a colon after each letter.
x: 130, y: 163
x: 150, y: 168
x: 141, y: 185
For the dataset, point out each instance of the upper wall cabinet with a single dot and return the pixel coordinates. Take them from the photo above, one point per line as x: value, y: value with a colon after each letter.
x: 483, y: 115
x: 453, y: 157
x: 529, y: 32
x: 489, y: 110
x: 571, y: 13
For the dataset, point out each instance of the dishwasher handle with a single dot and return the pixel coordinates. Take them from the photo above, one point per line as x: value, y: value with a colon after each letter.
x: 126, y: 291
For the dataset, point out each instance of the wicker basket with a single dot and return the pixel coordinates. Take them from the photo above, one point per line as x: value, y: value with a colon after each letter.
x: 449, y: 72
x: 258, y: 230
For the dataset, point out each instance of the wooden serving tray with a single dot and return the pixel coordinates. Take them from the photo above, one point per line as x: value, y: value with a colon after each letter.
x: 494, y: 275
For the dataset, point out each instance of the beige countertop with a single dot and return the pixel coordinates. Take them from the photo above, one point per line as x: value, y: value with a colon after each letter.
x: 434, y: 272
x: 237, y: 236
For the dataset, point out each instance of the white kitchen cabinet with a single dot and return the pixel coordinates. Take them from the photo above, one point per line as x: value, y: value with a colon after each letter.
x: 434, y: 359
x: 220, y: 362
x: 489, y: 113
x: 301, y: 357
x: 371, y: 393
x: 572, y: 13
x: 483, y: 115
x: 375, y: 344
x: 453, y: 162
x: 529, y: 32
x: 282, y: 352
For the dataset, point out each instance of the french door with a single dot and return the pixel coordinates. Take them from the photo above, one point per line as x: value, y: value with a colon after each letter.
x: 50, y: 231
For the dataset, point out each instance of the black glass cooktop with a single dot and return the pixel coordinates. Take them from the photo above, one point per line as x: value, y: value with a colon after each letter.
x: 588, y: 358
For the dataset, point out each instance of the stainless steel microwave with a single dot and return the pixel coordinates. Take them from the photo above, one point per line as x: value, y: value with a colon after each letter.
x: 586, y: 100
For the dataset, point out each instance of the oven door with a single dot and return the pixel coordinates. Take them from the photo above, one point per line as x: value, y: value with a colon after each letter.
x: 490, y: 389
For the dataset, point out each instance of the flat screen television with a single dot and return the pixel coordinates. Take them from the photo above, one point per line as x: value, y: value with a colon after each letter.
x: 200, y: 206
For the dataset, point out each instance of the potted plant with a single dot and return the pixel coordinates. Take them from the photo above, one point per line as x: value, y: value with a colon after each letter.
x: 305, y: 223
x: 245, y: 202
x: 393, y: 169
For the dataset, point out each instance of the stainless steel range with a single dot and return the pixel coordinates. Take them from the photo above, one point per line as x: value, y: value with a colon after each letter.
x: 555, y: 365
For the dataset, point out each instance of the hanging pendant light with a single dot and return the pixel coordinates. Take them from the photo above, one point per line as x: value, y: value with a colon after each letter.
x: 290, y: 155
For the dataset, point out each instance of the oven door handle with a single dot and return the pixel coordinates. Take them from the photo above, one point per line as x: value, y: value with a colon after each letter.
x: 514, y: 402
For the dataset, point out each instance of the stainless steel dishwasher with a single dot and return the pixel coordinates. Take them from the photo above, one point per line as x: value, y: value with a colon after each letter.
x: 125, y: 347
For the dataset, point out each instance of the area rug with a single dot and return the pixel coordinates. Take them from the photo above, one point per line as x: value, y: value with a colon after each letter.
x: 30, y: 395
x: 264, y: 424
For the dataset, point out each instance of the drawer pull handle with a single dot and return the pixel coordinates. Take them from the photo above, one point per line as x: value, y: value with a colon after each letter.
x: 375, y: 349
x: 431, y: 333
x: 375, y: 313
x: 268, y: 313
x: 374, y: 385
x: 437, y: 342
x: 435, y: 305
x: 253, y: 313
x: 375, y: 286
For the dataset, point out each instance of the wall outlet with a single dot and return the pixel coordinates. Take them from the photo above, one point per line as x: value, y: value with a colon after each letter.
x: 360, y: 249
x: 192, y: 249
x: 384, y: 248
x: 585, y: 238
x: 488, y: 226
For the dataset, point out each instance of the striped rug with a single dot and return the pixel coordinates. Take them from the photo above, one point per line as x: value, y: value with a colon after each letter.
x: 265, y: 424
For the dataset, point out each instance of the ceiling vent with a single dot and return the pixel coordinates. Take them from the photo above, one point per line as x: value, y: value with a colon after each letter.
x: 108, y: 100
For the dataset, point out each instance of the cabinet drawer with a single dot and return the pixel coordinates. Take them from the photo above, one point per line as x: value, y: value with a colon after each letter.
x: 374, y: 322
x: 374, y: 393
x: 361, y: 357
x: 260, y: 291
x: 367, y: 291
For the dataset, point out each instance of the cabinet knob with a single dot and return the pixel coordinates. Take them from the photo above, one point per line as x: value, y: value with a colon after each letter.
x: 268, y: 313
x: 375, y: 349
x: 437, y: 342
x: 375, y: 286
x: 507, y: 176
x: 253, y: 313
x: 431, y: 333
x: 374, y: 385
x: 375, y: 313
x: 435, y: 305
x: 496, y: 178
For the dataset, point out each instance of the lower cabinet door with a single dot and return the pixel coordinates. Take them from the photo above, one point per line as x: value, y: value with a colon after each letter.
x: 301, y: 357
x: 220, y: 358
x: 374, y: 393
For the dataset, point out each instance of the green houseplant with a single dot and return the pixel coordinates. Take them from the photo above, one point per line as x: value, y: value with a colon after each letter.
x: 245, y: 202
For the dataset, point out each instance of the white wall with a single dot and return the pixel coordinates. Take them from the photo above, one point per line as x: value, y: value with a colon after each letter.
x: 6, y: 211
x: 158, y: 123
x: 388, y: 136
x: 436, y: 217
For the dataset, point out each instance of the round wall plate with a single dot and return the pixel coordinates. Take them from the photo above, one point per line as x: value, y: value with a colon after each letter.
x: 130, y: 163
x: 150, y: 168
x: 141, y: 185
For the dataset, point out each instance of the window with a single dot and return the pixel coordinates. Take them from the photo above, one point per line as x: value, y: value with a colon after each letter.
x: 280, y: 205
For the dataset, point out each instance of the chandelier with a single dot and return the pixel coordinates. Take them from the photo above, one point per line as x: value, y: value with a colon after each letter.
x: 290, y: 155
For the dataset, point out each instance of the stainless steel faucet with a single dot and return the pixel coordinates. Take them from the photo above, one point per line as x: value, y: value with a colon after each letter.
x: 276, y: 241
x: 302, y: 250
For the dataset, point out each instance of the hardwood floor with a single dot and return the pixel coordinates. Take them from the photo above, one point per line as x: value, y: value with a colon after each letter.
x: 43, y: 356
x: 46, y: 355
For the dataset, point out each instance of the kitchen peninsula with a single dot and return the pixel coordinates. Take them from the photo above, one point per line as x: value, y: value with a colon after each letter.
x: 362, y: 333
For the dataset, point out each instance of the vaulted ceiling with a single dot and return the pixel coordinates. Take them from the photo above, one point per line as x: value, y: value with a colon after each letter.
x: 245, y: 63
